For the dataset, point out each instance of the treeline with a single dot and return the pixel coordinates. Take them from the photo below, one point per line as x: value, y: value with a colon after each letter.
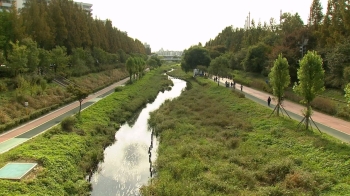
x: 255, y: 49
x: 60, y: 33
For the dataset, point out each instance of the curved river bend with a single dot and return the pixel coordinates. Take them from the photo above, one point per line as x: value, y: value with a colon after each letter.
x: 127, y: 163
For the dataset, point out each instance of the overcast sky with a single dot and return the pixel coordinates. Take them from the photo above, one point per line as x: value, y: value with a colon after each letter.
x: 176, y: 25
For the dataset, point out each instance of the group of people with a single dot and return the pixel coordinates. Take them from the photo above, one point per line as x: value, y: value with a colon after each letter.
x: 232, y: 84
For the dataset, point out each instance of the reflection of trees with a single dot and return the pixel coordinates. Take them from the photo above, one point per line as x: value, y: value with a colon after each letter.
x: 132, y: 154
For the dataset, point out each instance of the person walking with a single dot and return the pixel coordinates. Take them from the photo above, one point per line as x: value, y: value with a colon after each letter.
x: 241, y: 87
x: 268, y: 101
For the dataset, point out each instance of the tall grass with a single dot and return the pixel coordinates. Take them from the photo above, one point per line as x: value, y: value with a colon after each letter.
x: 212, y: 142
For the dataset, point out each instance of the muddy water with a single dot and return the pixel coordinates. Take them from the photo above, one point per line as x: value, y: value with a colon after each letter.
x: 127, y: 163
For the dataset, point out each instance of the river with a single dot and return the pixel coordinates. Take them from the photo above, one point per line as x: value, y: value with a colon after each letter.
x: 128, y: 162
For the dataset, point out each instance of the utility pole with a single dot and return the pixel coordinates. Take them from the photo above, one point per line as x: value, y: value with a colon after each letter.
x: 302, y: 46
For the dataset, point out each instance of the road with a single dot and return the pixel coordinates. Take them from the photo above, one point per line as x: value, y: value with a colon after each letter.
x: 335, y: 127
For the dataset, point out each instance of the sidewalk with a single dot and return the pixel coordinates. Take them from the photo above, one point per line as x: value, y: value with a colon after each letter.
x: 325, y: 123
x: 18, y: 135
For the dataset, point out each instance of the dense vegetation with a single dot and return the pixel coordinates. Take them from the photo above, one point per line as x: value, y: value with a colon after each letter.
x: 45, y: 45
x: 66, y: 154
x: 253, y: 49
x: 213, y: 141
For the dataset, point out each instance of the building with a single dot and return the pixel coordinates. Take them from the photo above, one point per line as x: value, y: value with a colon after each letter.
x: 163, y: 52
x: 6, y: 4
x: 85, y: 6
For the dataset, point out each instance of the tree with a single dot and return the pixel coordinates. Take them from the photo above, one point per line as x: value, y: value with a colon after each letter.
x: 59, y: 58
x: 256, y: 58
x: 291, y: 22
x: 131, y: 66
x: 316, y: 14
x: 194, y: 56
x: 338, y: 59
x: 152, y: 63
x: 79, y: 93
x: 279, y: 79
x: 347, y: 93
x: 219, y: 66
x: 32, y: 53
x: 311, y: 81
x: 18, y: 58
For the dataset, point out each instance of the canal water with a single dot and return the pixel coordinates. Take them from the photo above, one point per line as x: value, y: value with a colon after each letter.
x: 128, y: 162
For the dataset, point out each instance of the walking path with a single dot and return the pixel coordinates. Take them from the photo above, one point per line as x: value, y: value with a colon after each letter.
x: 17, y: 136
x: 335, y: 127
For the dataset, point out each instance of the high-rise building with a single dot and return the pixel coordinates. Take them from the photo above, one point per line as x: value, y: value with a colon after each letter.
x: 85, y: 6
x: 6, y: 4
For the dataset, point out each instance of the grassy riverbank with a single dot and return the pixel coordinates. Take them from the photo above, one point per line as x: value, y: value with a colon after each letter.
x: 215, y: 142
x: 67, y: 153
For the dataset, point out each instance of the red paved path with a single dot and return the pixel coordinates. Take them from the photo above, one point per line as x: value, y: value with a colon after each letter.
x: 37, y: 122
x: 329, y: 121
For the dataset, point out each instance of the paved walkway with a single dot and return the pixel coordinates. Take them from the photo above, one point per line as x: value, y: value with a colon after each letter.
x: 335, y: 127
x: 16, y: 136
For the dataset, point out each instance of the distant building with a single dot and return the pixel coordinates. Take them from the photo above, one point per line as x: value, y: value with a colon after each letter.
x: 163, y: 52
x: 85, y: 6
x: 148, y: 48
x: 7, y: 4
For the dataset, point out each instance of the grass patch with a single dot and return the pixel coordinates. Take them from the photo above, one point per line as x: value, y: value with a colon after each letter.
x: 212, y: 142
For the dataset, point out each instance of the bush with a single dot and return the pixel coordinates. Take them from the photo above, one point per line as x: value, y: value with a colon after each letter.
x: 260, y: 85
x: 118, y: 89
x: 324, y: 105
x: 344, y: 113
x: 3, y: 87
x: 68, y: 123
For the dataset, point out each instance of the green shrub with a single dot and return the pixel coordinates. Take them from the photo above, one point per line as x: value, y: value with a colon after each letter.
x: 3, y: 87
x: 68, y: 123
x: 261, y: 85
x: 277, y: 171
x: 344, y: 113
x: 118, y: 89
x: 324, y: 105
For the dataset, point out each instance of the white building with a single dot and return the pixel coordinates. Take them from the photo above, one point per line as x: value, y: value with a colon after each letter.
x: 6, y: 4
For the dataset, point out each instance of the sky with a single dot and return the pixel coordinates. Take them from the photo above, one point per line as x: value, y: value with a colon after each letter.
x: 177, y: 25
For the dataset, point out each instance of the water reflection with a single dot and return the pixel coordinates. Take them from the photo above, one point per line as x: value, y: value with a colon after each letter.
x: 128, y: 162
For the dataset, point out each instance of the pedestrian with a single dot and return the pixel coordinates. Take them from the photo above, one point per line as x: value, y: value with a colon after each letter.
x: 268, y: 101
x: 241, y: 87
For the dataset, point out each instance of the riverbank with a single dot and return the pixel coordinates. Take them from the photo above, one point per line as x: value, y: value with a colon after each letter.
x: 66, y: 154
x: 213, y: 141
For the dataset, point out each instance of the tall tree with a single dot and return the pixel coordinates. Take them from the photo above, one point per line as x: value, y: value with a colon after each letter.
x: 279, y: 79
x: 194, y: 56
x: 256, y: 58
x: 36, y: 22
x: 131, y: 67
x: 32, y: 54
x: 311, y: 81
x: 338, y: 59
x: 59, y: 58
x: 316, y: 14
x: 219, y: 66
x: 58, y: 24
x: 79, y: 93
x: 18, y: 58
